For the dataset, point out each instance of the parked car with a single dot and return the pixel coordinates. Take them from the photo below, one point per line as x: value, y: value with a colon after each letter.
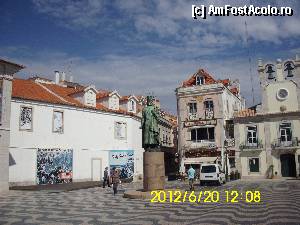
x: 212, y: 173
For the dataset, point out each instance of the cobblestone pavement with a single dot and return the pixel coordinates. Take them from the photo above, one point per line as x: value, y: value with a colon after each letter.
x: 280, y: 204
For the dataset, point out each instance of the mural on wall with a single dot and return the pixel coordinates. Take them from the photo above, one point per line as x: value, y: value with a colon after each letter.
x: 58, y: 122
x: 54, y: 166
x: 120, y: 130
x: 26, y: 118
x: 124, y: 160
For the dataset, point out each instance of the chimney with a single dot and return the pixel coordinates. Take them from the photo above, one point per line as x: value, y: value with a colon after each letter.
x: 260, y: 63
x: 63, y: 76
x: 56, y: 77
x: 71, y: 79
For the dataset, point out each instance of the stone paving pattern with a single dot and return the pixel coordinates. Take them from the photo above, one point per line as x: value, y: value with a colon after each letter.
x: 280, y: 205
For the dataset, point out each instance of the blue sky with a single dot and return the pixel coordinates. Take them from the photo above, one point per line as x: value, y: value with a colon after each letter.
x: 142, y: 46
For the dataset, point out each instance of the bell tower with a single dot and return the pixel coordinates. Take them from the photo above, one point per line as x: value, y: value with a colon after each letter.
x: 280, y: 85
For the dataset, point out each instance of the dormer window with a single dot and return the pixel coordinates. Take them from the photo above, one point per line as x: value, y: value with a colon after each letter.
x: 90, y: 98
x: 200, y: 80
x: 131, y: 106
x: 114, y: 101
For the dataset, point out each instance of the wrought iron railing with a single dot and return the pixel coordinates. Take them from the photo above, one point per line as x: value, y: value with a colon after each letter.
x: 251, y: 146
x: 278, y: 143
x: 193, y: 116
x: 229, y: 142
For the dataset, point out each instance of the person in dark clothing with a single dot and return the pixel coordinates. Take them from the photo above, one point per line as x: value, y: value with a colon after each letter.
x: 115, y: 180
x: 106, y: 178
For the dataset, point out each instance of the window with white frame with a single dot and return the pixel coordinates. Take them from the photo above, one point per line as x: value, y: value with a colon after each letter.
x: 254, y: 165
x: 285, y: 130
x: 209, y: 109
x: 131, y: 106
x: 58, y: 122
x: 251, y: 135
x: 200, y: 80
x: 26, y: 118
x: 192, y: 107
x: 120, y: 130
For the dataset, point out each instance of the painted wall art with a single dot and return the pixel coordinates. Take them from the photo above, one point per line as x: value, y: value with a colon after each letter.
x: 54, y: 166
x: 120, y: 130
x: 58, y: 123
x: 26, y: 118
x: 123, y: 160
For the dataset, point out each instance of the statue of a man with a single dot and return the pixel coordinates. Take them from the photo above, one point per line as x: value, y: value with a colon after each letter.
x: 150, y: 130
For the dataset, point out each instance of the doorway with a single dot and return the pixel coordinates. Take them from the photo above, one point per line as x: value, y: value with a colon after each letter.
x: 96, y: 169
x: 288, y: 165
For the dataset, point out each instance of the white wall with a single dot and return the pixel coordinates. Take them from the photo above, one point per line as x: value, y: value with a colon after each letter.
x: 291, y: 103
x: 89, y: 133
x: 232, y: 101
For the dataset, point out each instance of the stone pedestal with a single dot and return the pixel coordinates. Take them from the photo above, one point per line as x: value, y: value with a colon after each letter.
x: 154, y: 171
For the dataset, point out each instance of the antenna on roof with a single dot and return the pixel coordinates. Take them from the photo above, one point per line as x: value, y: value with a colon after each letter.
x: 250, y: 62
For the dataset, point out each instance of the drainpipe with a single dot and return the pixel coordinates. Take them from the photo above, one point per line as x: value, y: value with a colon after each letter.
x: 222, y: 145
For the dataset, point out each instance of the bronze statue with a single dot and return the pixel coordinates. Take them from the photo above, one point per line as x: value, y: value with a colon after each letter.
x: 150, y: 132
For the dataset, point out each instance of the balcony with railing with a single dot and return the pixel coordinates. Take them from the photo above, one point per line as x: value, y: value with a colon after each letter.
x: 193, y: 116
x: 229, y: 142
x: 251, y: 146
x: 280, y: 144
x: 208, y: 144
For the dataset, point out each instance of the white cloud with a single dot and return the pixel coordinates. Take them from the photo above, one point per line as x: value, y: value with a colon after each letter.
x: 166, y: 27
x: 173, y: 45
x: 74, y: 14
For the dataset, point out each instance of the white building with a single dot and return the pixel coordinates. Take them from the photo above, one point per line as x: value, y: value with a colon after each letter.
x: 60, y: 130
x: 268, y: 135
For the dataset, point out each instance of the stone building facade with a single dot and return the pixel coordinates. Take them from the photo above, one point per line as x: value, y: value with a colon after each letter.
x: 205, y: 108
x: 267, y: 135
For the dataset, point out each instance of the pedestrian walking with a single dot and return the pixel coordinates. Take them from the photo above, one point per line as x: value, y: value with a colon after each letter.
x: 106, y: 178
x: 115, y: 180
x: 191, y: 175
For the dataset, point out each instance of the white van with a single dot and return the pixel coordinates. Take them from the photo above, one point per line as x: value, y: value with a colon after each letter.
x: 212, y: 173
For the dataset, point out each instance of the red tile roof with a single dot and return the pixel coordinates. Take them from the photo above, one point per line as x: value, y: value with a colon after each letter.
x: 226, y: 82
x: 208, y: 80
x: 201, y: 72
x: 102, y: 94
x: 245, y: 113
x: 52, y: 93
x: 28, y: 89
x: 125, y: 98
